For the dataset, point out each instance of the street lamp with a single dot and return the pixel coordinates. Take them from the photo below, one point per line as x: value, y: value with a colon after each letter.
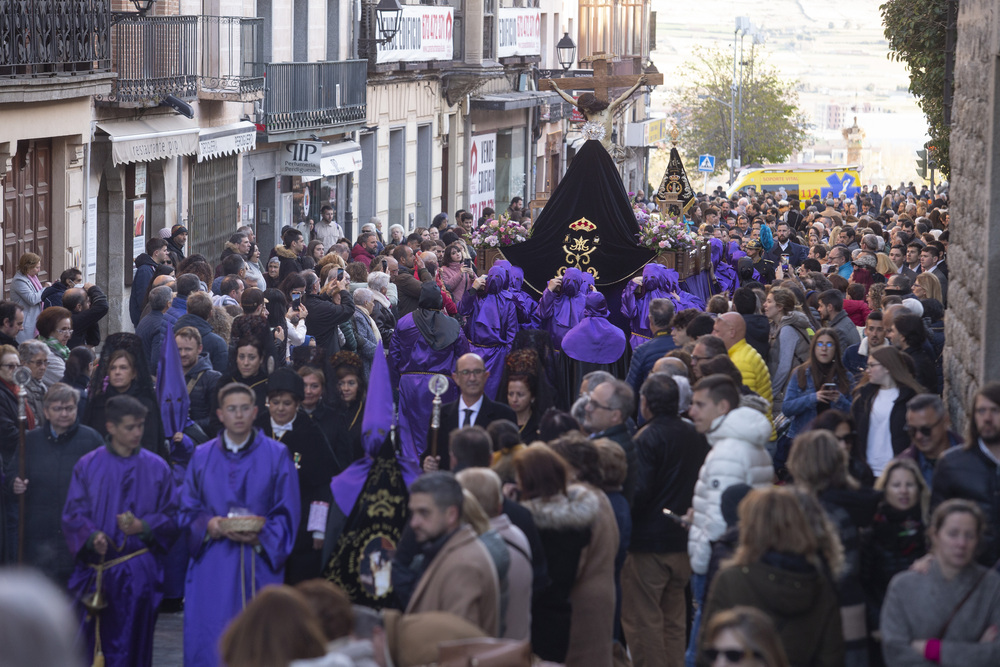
x: 143, y: 6
x: 566, y: 52
x: 388, y: 14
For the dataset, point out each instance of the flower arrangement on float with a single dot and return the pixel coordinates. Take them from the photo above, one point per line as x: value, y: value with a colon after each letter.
x: 499, y: 233
x: 661, y: 234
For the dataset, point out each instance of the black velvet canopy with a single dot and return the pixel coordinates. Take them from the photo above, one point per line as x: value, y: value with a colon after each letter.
x: 587, y: 223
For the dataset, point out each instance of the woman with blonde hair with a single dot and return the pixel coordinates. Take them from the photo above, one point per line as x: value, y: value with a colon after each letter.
x: 884, y: 265
x: 927, y: 286
x: 818, y: 465
x: 779, y: 569
x: 26, y: 291
x: 742, y: 636
x: 897, y: 537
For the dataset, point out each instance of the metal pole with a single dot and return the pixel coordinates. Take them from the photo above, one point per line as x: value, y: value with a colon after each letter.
x: 739, y: 117
x: 732, y: 114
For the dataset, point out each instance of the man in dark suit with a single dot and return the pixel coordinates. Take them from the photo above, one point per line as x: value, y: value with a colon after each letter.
x: 784, y: 246
x: 472, y: 408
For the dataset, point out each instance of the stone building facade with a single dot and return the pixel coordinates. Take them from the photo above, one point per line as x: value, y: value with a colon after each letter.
x: 972, y: 353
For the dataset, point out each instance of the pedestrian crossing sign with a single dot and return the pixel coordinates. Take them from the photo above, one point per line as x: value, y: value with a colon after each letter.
x: 706, y: 163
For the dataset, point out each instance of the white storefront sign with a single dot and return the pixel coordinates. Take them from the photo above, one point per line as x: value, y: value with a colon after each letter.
x: 425, y: 33
x: 520, y: 32
x: 301, y: 158
x: 234, y: 138
x: 482, y: 173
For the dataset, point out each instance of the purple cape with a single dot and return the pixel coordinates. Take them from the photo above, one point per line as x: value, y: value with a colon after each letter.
x: 491, y: 324
x: 527, y: 308
x: 224, y: 575
x: 724, y: 274
x: 412, y: 362
x: 560, y: 312
x: 171, y: 388
x: 103, y: 486
x: 656, y: 281
x: 595, y: 340
x: 375, y: 428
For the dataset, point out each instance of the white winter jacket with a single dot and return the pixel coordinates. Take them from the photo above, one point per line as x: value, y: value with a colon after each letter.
x: 737, y: 456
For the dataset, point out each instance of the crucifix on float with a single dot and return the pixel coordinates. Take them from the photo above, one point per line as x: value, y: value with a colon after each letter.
x: 597, y: 107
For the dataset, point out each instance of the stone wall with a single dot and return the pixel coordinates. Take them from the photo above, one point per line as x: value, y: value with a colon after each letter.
x: 972, y: 352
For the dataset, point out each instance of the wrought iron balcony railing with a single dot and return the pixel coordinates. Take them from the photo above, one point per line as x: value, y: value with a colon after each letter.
x: 55, y: 37
x: 303, y: 96
x: 229, y: 58
x: 154, y: 56
x: 213, y: 57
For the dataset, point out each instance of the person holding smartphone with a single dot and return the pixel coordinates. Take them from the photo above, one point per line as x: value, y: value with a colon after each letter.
x: 456, y: 271
x: 821, y: 383
x: 327, y: 308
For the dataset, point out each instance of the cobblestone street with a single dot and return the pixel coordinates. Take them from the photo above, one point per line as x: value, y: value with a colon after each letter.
x: 168, y: 641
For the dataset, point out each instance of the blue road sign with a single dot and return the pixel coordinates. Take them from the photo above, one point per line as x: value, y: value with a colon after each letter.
x: 706, y: 163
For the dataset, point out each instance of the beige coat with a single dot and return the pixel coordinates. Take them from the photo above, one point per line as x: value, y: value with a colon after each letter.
x: 461, y: 580
x: 520, y: 576
x: 591, y: 630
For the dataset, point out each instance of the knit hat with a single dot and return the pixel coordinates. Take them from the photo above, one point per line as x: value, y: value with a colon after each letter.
x: 164, y: 233
x: 178, y: 229
x: 286, y: 380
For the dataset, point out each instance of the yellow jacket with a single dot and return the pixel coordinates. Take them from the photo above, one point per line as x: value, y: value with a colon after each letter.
x: 754, y: 371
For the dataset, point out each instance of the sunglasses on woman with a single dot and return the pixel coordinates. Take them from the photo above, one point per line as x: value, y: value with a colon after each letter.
x: 732, y: 656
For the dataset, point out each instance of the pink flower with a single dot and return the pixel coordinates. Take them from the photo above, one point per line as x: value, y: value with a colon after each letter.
x: 663, y: 244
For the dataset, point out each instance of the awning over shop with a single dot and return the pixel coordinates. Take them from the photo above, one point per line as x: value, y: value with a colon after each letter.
x: 342, y: 158
x: 226, y: 140
x: 155, y: 138
x: 514, y: 100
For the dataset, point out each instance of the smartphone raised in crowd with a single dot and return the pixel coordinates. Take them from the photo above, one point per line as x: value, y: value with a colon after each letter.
x: 296, y: 301
x: 340, y: 274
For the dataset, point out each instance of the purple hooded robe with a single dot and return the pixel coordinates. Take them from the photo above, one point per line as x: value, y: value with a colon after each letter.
x: 223, y: 576
x: 412, y: 362
x: 725, y: 275
x: 105, y: 485
x: 491, y: 324
x: 527, y: 308
x: 594, y: 340
x: 558, y: 313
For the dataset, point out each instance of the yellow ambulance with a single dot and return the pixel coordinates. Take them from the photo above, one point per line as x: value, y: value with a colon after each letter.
x: 801, y: 180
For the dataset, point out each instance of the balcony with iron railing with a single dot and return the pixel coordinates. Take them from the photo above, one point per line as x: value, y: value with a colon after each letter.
x: 312, y: 96
x: 59, y: 48
x: 212, y: 57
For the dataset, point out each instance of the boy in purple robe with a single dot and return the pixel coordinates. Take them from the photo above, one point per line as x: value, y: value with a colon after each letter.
x: 562, y: 304
x: 240, y: 472
x: 426, y: 342
x: 594, y: 344
x: 491, y: 322
x: 527, y: 308
x: 120, y: 519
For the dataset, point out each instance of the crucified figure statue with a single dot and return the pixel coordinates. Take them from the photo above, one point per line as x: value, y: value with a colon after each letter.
x: 599, y: 113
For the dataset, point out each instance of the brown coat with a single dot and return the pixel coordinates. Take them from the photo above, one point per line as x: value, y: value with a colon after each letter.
x: 591, y: 630
x: 461, y: 580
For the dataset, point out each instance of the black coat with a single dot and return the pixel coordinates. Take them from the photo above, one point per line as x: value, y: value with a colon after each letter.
x: 325, y: 317
x: 925, y: 368
x: 759, y: 334
x: 153, y: 436
x: 385, y: 321
x: 968, y: 473
x: 316, y: 463
x: 49, y: 461
x: 202, y: 391
x: 490, y: 412
x: 796, y: 253
x: 86, y: 329
x: 861, y: 409
x: 670, y: 453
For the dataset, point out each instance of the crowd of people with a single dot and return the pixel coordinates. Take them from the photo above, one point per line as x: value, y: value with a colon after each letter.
x: 761, y: 475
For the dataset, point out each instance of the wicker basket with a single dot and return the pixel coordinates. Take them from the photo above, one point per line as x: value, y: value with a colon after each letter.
x: 242, y: 524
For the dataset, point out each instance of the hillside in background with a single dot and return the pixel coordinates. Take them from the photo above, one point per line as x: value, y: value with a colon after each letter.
x: 837, y: 54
